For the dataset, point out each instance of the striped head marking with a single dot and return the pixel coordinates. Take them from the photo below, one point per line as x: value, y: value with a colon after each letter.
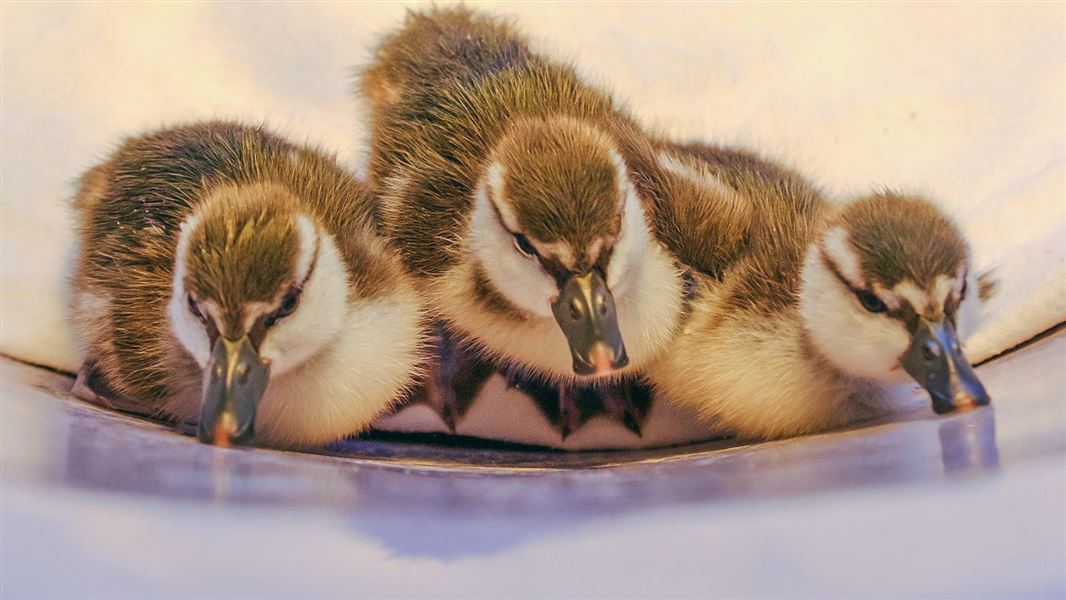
x: 249, y: 264
x: 554, y: 204
x: 560, y: 185
x: 886, y: 270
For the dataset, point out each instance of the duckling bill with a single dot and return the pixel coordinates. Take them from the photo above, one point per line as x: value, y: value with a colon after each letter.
x: 935, y: 360
x: 234, y: 381
x: 231, y: 278
x: 586, y: 314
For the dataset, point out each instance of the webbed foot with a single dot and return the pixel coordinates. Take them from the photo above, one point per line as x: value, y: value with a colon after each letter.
x: 571, y: 410
x: 454, y: 379
x: 628, y: 402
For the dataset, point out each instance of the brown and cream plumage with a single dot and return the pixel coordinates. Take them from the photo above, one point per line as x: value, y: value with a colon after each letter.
x: 515, y: 194
x: 217, y: 260
x: 807, y: 305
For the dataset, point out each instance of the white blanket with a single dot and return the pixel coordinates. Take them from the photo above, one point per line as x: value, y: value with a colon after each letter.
x: 963, y: 102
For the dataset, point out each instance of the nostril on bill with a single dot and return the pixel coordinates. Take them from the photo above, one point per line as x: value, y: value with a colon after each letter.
x: 575, y: 309
x: 601, y: 304
x: 931, y: 351
x: 242, y: 373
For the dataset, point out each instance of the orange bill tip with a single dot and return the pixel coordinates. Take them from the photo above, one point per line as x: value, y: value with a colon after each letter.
x: 223, y: 428
x: 602, y: 358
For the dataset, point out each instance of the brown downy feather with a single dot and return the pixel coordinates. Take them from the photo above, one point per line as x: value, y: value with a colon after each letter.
x: 900, y: 237
x: 445, y: 90
x: 746, y: 309
x: 130, y: 210
x: 458, y: 42
x: 453, y: 92
x: 743, y: 214
x: 896, y: 236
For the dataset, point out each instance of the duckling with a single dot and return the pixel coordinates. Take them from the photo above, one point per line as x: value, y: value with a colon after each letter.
x: 230, y: 277
x: 796, y: 325
x: 509, y: 187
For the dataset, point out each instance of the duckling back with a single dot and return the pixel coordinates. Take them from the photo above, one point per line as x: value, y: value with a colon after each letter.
x: 741, y: 358
x: 436, y: 46
x: 722, y: 206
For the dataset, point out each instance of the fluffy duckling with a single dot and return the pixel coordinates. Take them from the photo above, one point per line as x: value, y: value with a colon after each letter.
x: 230, y: 276
x: 812, y: 305
x: 508, y: 186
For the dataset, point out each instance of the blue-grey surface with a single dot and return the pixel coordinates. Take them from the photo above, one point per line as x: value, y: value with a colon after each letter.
x: 96, y: 504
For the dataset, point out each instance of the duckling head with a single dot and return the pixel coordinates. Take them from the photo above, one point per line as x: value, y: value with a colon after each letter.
x: 887, y: 289
x: 252, y: 298
x: 555, y: 228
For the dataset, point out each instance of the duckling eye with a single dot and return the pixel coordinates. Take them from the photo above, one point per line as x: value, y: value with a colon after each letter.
x: 194, y: 308
x: 870, y: 301
x: 523, y: 245
x: 287, y: 306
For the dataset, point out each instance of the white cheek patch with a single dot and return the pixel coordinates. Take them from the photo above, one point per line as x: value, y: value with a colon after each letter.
x: 516, y: 277
x: 188, y: 330
x: 856, y: 341
x: 319, y: 316
x: 631, y: 247
x: 838, y: 247
x: 621, y: 174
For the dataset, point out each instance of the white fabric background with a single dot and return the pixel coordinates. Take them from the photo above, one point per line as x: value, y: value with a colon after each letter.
x: 965, y: 102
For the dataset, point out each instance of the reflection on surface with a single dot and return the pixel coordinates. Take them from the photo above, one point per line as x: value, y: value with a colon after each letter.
x: 123, y: 458
x: 968, y: 443
x: 404, y: 496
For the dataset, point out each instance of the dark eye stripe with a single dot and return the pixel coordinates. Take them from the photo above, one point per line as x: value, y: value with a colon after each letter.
x: 524, y: 246
x: 869, y: 300
x: 194, y: 308
x: 288, y: 305
x: 829, y: 264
